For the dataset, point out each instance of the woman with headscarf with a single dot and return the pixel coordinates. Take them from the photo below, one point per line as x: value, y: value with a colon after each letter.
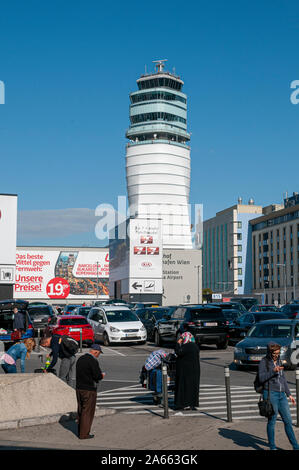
x: 187, y: 373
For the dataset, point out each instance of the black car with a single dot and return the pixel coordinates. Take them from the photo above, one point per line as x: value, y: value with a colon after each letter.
x: 83, y: 311
x: 242, y: 325
x: 150, y: 317
x: 230, y: 306
x: 290, y: 310
x: 206, y: 323
x: 40, y: 315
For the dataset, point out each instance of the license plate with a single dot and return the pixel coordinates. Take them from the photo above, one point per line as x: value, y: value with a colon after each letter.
x: 255, y: 358
x: 210, y: 324
x: 74, y: 329
x: 37, y: 320
x: 130, y: 334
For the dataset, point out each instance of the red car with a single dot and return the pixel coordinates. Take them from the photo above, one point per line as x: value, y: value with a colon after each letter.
x: 70, y: 325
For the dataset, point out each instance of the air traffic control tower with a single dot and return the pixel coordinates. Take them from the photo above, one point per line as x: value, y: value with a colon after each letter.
x: 158, y: 155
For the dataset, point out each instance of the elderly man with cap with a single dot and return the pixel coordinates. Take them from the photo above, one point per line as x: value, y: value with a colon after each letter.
x: 88, y: 374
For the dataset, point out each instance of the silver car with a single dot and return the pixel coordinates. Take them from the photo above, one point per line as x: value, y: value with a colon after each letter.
x: 253, y: 347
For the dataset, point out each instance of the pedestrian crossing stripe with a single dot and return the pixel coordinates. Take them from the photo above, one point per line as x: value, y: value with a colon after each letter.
x: 135, y: 399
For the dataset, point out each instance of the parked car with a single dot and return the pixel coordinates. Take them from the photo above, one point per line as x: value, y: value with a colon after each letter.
x: 7, y: 318
x: 144, y: 305
x: 150, y: 317
x: 71, y: 325
x: 248, y: 302
x: 116, y: 324
x: 40, y: 315
x: 243, y: 324
x: 253, y: 347
x: 290, y: 310
x: 68, y: 309
x: 83, y: 311
x: 264, y: 308
x: 206, y: 323
x: 230, y: 306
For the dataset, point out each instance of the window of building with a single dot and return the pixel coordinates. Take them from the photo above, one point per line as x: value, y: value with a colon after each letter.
x: 240, y: 283
x: 239, y: 247
x: 240, y: 271
x: 239, y: 224
x: 239, y: 236
x: 240, y: 259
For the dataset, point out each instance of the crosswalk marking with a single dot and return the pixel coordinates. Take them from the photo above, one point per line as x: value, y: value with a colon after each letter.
x: 135, y: 399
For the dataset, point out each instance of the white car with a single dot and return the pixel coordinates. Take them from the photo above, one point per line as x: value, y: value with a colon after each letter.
x: 116, y: 324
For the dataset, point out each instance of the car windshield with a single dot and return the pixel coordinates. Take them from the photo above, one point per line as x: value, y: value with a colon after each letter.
x: 268, y: 316
x: 270, y: 331
x: 114, y: 316
x: 231, y: 314
x: 84, y: 311
x: 207, y: 314
x: 291, y: 308
x: 36, y: 311
x: 73, y: 321
x: 159, y: 314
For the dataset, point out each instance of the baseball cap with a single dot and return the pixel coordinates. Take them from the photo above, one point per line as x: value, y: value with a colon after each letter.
x: 96, y: 347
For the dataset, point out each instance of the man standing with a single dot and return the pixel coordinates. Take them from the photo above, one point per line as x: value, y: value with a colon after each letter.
x: 65, y: 348
x: 88, y: 374
x: 18, y: 321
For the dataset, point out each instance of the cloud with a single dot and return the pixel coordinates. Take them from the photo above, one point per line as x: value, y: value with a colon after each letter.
x: 55, y: 223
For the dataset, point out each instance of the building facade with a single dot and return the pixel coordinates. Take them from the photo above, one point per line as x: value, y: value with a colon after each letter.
x: 227, y: 261
x: 275, y: 250
x: 158, y: 155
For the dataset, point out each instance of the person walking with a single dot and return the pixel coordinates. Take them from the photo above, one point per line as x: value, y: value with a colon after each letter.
x: 187, y: 378
x: 271, y: 373
x: 22, y: 351
x: 64, y: 348
x: 88, y: 374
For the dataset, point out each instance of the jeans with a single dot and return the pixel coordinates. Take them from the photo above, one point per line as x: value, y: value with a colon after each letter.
x: 9, y: 368
x: 280, y: 405
x: 66, y: 371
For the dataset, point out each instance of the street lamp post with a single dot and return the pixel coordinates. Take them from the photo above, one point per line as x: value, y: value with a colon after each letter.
x: 97, y: 280
x: 285, y: 281
x: 198, y: 266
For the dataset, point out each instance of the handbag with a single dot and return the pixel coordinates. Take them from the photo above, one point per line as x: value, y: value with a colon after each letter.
x: 265, y: 406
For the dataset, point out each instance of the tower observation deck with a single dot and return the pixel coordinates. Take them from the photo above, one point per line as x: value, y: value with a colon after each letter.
x: 158, y: 155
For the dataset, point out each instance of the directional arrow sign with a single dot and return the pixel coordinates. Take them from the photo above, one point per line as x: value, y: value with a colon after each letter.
x: 136, y: 285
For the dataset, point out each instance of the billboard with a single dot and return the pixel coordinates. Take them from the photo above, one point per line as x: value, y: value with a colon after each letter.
x: 145, y: 256
x: 8, y: 237
x: 61, y: 274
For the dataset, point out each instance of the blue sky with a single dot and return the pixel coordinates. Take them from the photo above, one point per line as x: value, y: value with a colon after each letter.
x: 68, y: 69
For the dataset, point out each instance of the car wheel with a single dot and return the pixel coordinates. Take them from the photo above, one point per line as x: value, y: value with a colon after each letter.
x: 106, y: 340
x: 158, y: 340
x: 222, y: 344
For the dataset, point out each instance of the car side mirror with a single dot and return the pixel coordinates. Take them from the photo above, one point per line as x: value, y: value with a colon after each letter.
x: 243, y: 334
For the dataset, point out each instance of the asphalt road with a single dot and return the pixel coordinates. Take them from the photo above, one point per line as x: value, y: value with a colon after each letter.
x: 122, y: 364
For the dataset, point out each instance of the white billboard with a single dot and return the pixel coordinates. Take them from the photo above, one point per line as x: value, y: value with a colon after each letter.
x: 61, y: 274
x: 8, y: 237
x: 145, y: 256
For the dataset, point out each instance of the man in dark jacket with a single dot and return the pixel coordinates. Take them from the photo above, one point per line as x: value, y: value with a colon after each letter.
x: 88, y: 374
x: 18, y: 321
x: 271, y: 374
x: 59, y: 350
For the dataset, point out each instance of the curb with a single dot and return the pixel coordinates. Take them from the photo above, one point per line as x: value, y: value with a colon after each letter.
x: 50, y: 419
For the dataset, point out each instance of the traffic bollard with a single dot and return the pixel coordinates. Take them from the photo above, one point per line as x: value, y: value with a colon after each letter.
x: 38, y: 340
x: 228, y: 394
x: 165, y: 391
x: 297, y: 396
x: 80, y: 340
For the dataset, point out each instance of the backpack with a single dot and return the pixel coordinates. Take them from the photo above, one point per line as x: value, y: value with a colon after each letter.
x: 70, y: 345
x: 259, y: 386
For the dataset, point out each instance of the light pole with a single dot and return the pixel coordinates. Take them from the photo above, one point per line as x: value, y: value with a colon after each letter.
x: 198, y: 266
x: 97, y: 280
x: 285, y: 281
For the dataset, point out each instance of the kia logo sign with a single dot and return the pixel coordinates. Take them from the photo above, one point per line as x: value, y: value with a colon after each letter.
x: 146, y: 264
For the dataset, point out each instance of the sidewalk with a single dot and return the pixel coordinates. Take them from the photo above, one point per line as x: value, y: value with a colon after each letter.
x: 149, y: 432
